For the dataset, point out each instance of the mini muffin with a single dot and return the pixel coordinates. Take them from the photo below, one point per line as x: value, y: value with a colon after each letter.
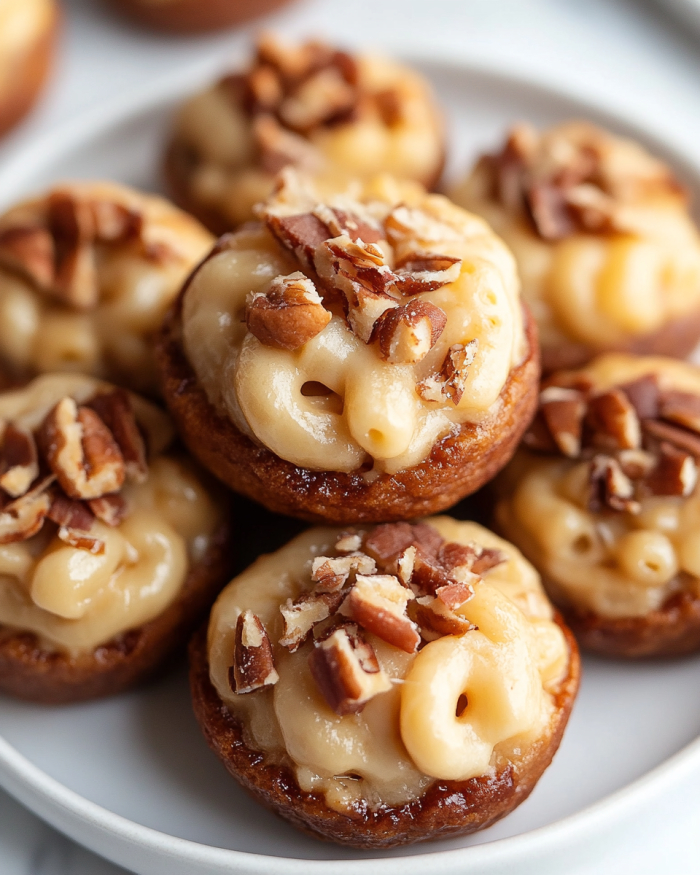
x: 87, y: 272
x: 194, y: 16
x: 605, y: 503
x: 388, y: 686
x: 608, y: 253
x: 310, y: 106
x: 28, y: 31
x: 112, y: 547
x: 352, y: 359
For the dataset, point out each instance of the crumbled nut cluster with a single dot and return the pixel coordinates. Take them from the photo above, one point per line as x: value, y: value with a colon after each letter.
x: 402, y: 583
x: 640, y: 439
x: 349, y: 272
x: 70, y: 470
x: 563, y: 183
x: 290, y: 91
x: 57, y: 254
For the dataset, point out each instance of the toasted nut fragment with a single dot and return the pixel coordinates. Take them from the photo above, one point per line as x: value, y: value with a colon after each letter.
x: 487, y: 559
x: 636, y: 464
x: 301, y: 234
x: 280, y: 147
x: 435, y: 619
x: 675, y: 473
x: 346, y: 670
x: 365, y: 307
x: 29, y: 250
x: 563, y: 411
x: 672, y: 434
x: 320, y: 98
x: 339, y: 223
x: 549, y: 211
x: 301, y: 615
x: 347, y: 263
x: 449, y: 383
x: 253, y: 664
x: 405, y: 564
x: 110, y: 509
x: 538, y: 437
x: 81, y: 540
x: 407, y: 334
x: 426, y: 272
x: 409, y: 222
x: 387, y: 541
x: 610, y: 487
x: 19, y: 464
x: 331, y: 573
x: 265, y: 88
x: 643, y: 395
x: 614, y: 421
x: 455, y: 594
x: 116, y: 411
x: 70, y: 514
x: 682, y: 408
x: 81, y: 451
x: 378, y: 603
x: 72, y: 225
x: 428, y: 574
x: 349, y: 542
x: 289, y: 314
x: 23, y: 517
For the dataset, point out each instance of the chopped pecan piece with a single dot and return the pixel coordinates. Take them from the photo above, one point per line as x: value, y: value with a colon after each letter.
x: 19, y: 464
x: 675, y: 473
x: 563, y: 411
x: 610, y: 487
x: 301, y: 234
x: 643, y: 395
x: 81, y: 451
x: 116, y: 411
x: 549, y: 211
x: 301, y: 615
x: 407, y: 334
x: 339, y: 223
x: 81, y: 540
x: 636, y: 464
x: 280, y: 147
x: 322, y: 97
x: 487, y: 559
x: 386, y: 542
x: 405, y: 564
x: 405, y: 222
x: 365, y: 307
x: 332, y: 573
x: 29, y: 250
x: 538, y: 437
x: 435, y: 619
x: 614, y: 421
x: 378, y: 603
x: 426, y: 272
x: 70, y: 514
x: 289, y: 314
x: 351, y: 262
x: 672, y: 434
x: 72, y: 225
x: 681, y: 408
x: 110, y: 509
x: 429, y: 574
x: 449, y: 383
x: 253, y: 663
x: 265, y: 88
x: 455, y: 594
x: 24, y: 517
x: 348, y: 542
x: 346, y: 670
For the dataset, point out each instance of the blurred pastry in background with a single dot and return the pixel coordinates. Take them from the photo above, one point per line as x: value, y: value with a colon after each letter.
x: 608, y: 253
x: 194, y: 16
x: 311, y: 106
x: 112, y: 546
x: 350, y: 359
x: 28, y: 31
x: 87, y: 271
x: 386, y: 686
x: 603, y: 499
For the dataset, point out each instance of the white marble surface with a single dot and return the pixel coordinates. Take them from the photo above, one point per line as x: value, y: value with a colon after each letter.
x: 626, y: 55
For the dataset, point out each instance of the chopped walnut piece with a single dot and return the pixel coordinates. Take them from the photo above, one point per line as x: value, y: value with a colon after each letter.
x: 332, y: 573
x: 449, y: 383
x: 407, y: 334
x: 69, y: 513
x: 24, y: 516
x: 19, y: 464
x: 301, y: 615
x: 610, y: 487
x: 29, y: 250
x: 563, y: 411
x: 643, y: 395
x: 346, y: 670
x: 289, y: 314
x: 435, y: 619
x: 614, y: 421
x: 681, y: 408
x: 672, y: 434
x: 81, y: 451
x: 675, y: 473
x: 110, y: 509
x: 426, y: 272
x: 348, y: 542
x: 116, y: 411
x: 378, y: 604
x: 253, y: 664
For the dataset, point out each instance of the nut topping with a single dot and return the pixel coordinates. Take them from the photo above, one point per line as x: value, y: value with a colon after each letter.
x: 81, y: 451
x: 681, y: 408
x: 253, y: 664
x: 349, y: 542
x: 378, y: 603
x: 675, y: 473
x: 289, y: 314
x: 19, y: 464
x: 346, y: 670
x: 407, y: 334
x: 563, y: 411
x: 435, y: 619
x: 610, y: 487
x: 70, y: 514
x: 29, y: 250
x: 109, y: 509
x: 331, y: 574
x: 448, y: 385
x: 614, y: 421
x: 116, y: 411
x: 301, y: 615
x: 426, y: 272
x: 23, y: 517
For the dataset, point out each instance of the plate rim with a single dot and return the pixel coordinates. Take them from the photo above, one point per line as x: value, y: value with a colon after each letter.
x: 113, y: 835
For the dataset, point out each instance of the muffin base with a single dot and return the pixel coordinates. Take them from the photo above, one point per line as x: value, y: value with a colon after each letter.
x: 54, y: 677
x: 195, y: 16
x: 446, y: 808
x: 458, y: 464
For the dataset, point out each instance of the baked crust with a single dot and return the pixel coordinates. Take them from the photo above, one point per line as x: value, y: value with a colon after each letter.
x: 458, y: 464
x: 53, y: 677
x: 29, y: 74
x: 446, y: 808
x: 195, y: 16
x: 671, y: 630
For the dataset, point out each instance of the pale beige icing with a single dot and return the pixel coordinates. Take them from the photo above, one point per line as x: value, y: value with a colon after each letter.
x: 405, y: 738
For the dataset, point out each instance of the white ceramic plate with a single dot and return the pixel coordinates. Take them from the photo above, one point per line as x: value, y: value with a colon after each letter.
x: 132, y: 779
